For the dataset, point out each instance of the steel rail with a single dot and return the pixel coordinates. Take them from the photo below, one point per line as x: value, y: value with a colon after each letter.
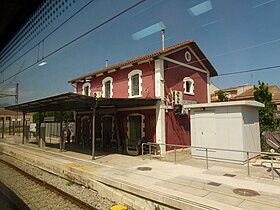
x: 52, y: 188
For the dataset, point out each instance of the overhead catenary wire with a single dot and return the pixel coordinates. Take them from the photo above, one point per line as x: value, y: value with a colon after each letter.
x: 19, y: 49
x: 74, y: 40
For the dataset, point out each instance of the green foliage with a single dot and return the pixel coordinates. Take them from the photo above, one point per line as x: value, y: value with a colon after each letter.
x: 222, y: 96
x: 67, y: 115
x: 267, y: 122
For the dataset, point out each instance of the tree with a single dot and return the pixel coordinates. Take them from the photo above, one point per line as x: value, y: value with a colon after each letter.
x: 267, y: 122
x: 222, y: 96
x: 67, y: 115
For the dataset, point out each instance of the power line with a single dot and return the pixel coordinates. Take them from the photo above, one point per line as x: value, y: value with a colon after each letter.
x: 74, y: 40
x: 250, y: 70
x: 105, y: 22
x: 18, y: 50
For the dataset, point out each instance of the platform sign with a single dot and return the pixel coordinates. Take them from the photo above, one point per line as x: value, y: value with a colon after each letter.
x: 48, y: 119
x: 33, y: 127
x: 8, y: 118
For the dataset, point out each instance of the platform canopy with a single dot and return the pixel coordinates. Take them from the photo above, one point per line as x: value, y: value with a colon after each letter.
x: 73, y: 101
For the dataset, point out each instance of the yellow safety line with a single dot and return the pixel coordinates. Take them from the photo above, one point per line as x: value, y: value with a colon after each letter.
x: 226, y: 194
x: 72, y: 164
x: 188, y: 185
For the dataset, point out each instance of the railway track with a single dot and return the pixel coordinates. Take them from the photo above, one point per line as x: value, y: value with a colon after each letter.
x: 36, y: 193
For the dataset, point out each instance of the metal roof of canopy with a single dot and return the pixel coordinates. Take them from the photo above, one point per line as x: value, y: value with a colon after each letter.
x: 73, y: 101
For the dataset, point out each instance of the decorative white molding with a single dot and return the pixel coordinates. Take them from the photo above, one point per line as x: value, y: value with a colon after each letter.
x: 198, y: 59
x: 188, y: 56
x: 107, y: 79
x: 185, y: 65
x: 160, y: 125
x: 87, y: 84
x: 159, y: 78
x: 130, y: 75
x: 208, y: 88
x: 191, y: 84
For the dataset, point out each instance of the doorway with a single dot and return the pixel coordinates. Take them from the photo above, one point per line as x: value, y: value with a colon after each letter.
x: 135, y: 133
x: 86, y: 131
x: 107, y: 132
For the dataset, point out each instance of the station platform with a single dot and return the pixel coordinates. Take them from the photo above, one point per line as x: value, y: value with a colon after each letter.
x: 145, y: 184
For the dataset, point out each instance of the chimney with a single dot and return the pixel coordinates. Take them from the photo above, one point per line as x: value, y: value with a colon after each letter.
x: 162, y: 38
x: 106, y: 63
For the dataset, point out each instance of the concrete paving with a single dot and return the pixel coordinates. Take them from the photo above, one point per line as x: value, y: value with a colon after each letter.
x: 185, y: 185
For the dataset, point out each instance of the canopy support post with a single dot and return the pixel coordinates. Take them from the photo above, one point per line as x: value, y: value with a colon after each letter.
x: 23, y: 127
x: 93, y: 133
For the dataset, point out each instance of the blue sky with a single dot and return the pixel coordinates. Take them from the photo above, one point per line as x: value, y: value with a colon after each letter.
x: 235, y: 35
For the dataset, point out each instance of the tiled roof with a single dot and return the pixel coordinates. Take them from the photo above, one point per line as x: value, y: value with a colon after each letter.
x: 236, y: 87
x: 246, y: 94
x: 249, y: 94
x: 190, y: 43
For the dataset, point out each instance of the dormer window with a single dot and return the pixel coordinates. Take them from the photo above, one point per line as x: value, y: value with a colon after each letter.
x: 107, y: 87
x: 135, y: 83
x: 188, y: 86
x: 86, y: 89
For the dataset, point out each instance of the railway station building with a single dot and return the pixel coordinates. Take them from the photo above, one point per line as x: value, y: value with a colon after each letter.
x: 140, y: 100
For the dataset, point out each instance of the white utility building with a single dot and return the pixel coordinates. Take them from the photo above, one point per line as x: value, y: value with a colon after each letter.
x: 225, y: 125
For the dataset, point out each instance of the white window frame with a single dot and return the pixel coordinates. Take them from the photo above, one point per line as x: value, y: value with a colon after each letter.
x: 130, y: 75
x: 87, y: 84
x: 191, y: 82
x: 107, y: 79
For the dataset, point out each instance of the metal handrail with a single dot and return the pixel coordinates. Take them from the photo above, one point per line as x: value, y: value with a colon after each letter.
x: 207, y: 149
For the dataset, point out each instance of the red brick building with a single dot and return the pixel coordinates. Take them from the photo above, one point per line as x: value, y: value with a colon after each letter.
x: 174, y: 76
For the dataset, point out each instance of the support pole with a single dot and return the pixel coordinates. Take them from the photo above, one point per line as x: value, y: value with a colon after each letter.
x: 248, y: 164
x: 23, y: 127
x: 61, y: 132
x: 13, y: 128
x: 3, y: 127
x: 10, y: 126
x: 93, y: 133
x: 39, y: 131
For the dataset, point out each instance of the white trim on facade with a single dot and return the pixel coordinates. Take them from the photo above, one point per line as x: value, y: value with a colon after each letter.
x: 87, y: 84
x: 191, y: 85
x: 159, y: 79
x: 198, y: 59
x: 208, y: 88
x: 185, y: 65
x: 160, y: 106
x: 107, y: 79
x: 130, y: 75
x: 208, y: 74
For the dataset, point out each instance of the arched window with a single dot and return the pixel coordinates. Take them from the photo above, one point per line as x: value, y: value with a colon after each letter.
x: 107, y: 87
x: 135, y: 83
x: 188, y: 86
x: 86, y: 89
